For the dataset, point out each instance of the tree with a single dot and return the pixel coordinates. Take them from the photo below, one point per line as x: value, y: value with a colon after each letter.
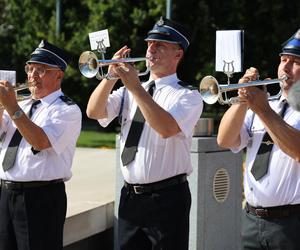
x: 23, y: 23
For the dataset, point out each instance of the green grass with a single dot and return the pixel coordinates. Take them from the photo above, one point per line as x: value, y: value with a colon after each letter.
x: 96, y: 139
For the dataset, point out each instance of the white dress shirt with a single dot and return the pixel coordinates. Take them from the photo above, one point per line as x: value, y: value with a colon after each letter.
x: 62, y: 124
x: 281, y: 185
x: 158, y: 158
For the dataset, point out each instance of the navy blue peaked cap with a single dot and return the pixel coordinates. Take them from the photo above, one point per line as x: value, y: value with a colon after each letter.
x: 169, y: 31
x: 292, y: 46
x: 49, y: 54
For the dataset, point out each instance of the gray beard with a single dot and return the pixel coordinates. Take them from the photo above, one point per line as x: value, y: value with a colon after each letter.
x: 293, y: 97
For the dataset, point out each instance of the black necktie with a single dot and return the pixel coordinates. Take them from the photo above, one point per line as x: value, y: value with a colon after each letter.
x: 12, y: 149
x: 261, y: 162
x: 134, y: 133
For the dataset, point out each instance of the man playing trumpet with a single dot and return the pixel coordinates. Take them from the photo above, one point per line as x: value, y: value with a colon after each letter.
x: 270, y: 132
x: 158, y: 118
x: 38, y: 143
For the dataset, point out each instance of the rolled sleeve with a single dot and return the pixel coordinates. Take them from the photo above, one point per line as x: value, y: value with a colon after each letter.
x: 244, y: 132
x: 187, y: 111
x: 63, y: 128
x: 244, y: 135
x: 4, y: 123
x: 113, y: 106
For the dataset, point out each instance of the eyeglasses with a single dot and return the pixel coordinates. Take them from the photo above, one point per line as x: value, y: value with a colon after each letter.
x: 41, y: 71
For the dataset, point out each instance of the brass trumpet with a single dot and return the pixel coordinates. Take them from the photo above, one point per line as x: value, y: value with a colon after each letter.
x: 89, y: 65
x: 211, y: 91
x: 19, y: 87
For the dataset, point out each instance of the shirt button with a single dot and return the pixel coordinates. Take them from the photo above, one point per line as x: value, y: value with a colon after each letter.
x: 251, y: 189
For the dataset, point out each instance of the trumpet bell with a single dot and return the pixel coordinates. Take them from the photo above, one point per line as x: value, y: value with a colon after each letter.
x: 88, y: 64
x: 209, y: 89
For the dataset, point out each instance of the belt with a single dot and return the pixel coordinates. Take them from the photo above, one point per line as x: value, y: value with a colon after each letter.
x: 155, y: 186
x: 28, y: 184
x: 273, y: 212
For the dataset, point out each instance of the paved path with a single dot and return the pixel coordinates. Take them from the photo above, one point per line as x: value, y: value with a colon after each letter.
x: 93, y: 181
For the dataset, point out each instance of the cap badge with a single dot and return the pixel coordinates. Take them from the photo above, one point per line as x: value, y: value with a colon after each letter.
x: 41, y: 45
x: 160, y: 22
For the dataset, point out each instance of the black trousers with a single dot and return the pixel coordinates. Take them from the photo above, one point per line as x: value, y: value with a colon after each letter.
x: 270, y: 234
x: 156, y: 221
x: 33, y: 218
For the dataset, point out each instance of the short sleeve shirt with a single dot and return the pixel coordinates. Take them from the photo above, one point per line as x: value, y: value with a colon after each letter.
x: 62, y: 124
x: 281, y: 185
x: 159, y: 158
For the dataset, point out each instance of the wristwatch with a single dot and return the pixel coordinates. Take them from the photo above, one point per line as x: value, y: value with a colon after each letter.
x: 17, y: 114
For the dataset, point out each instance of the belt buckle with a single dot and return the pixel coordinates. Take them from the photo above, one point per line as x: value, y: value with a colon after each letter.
x: 4, y: 185
x: 261, y: 212
x: 138, y: 189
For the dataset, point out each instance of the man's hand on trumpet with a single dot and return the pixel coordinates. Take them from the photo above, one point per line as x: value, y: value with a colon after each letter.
x: 125, y: 71
x: 121, y: 53
x: 254, y: 97
x: 8, y: 97
x: 129, y: 76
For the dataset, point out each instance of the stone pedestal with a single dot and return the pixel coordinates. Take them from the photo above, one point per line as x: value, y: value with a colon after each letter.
x: 216, y: 187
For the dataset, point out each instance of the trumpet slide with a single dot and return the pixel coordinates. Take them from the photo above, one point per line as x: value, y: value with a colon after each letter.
x: 211, y: 91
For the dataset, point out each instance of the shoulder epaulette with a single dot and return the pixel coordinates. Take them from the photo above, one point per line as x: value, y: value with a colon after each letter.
x: 185, y: 85
x: 67, y: 100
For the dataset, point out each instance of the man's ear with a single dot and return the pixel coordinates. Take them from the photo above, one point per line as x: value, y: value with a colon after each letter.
x: 179, y: 54
x: 60, y: 75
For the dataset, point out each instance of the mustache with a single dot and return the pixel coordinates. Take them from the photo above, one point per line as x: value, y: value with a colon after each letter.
x: 152, y: 58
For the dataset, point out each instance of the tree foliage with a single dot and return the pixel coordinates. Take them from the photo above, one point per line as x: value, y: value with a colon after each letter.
x: 23, y: 23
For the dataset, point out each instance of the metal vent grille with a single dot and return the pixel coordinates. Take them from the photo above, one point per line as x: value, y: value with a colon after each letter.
x: 221, y: 185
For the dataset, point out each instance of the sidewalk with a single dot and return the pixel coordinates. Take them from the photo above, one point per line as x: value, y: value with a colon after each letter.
x: 91, y: 193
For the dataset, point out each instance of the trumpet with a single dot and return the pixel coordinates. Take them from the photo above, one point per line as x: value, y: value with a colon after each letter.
x: 211, y: 91
x: 19, y: 87
x: 89, y: 65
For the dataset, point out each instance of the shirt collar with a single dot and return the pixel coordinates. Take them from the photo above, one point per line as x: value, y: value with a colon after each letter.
x: 278, y: 104
x: 281, y: 101
x: 47, y: 100
x: 164, y: 81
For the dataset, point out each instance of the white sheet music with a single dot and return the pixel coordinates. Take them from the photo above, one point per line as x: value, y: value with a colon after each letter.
x: 229, y: 50
x: 99, y: 36
x: 8, y: 75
